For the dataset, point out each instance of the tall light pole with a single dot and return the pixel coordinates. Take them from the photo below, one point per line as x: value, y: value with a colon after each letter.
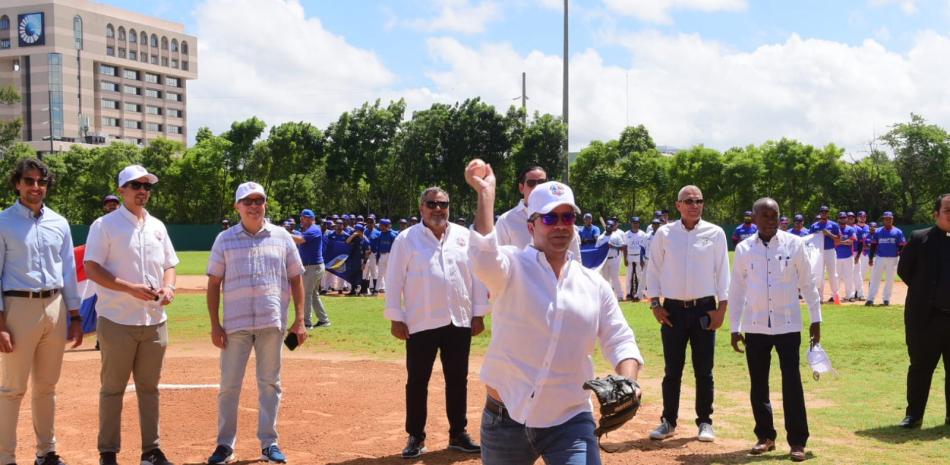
x: 567, y: 161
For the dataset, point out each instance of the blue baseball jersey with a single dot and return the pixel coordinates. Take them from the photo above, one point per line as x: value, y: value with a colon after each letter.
x: 311, y: 251
x: 371, y: 236
x: 589, y: 235
x: 860, y: 233
x: 829, y: 226
x: 845, y: 250
x: 384, y: 241
x: 744, y: 231
x: 800, y: 233
x: 887, y: 241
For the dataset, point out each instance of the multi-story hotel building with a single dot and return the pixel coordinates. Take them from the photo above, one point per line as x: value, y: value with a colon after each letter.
x: 92, y: 73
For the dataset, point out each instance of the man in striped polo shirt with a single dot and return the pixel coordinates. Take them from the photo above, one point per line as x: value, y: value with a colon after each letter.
x: 257, y: 266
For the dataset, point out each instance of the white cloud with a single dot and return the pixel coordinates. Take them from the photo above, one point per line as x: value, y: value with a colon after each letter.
x: 658, y: 11
x: 687, y: 90
x: 908, y: 7
x: 266, y: 58
x: 459, y: 16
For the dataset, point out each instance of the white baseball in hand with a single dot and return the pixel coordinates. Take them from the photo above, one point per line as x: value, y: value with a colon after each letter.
x: 477, y: 168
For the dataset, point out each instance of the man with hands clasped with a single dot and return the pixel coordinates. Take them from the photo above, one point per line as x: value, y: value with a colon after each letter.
x: 770, y: 270
x: 549, y: 312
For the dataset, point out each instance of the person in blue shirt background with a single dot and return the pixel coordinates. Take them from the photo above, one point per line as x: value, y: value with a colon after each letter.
x: 337, y: 235
x: 359, y: 251
x: 886, y: 245
x: 828, y: 257
x: 309, y: 242
x: 371, y: 270
x: 798, y: 228
x: 861, y: 231
x: 744, y: 230
x: 589, y: 233
x: 381, y: 247
x: 844, y: 252
x: 783, y: 223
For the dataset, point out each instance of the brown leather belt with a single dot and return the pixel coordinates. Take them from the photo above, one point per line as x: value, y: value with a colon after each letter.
x: 31, y: 294
x: 709, y: 300
x: 496, y: 407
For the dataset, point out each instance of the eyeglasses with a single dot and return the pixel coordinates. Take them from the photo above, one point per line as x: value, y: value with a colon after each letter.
x: 247, y: 202
x: 551, y: 219
x: 534, y: 182
x: 135, y: 185
x: 42, y: 182
x: 433, y: 204
x: 691, y: 202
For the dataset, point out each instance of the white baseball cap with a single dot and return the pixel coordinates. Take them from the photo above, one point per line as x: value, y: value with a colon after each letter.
x: 247, y: 189
x: 548, y: 196
x: 133, y: 172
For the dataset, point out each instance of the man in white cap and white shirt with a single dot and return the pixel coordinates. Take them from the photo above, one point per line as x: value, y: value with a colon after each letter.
x: 132, y: 261
x: 256, y: 266
x: 512, y: 226
x: 550, y: 313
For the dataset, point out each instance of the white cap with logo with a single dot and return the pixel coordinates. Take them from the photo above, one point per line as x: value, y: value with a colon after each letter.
x: 247, y: 189
x: 548, y: 196
x: 133, y: 172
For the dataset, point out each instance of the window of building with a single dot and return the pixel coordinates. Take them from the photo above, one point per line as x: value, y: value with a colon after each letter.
x: 174, y: 129
x: 131, y: 124
x: 143, y: 39
x: 151, y: 78
x: 133, y: 37
x: 175, y: 63
x: 121, y: 52
x: 144, y: 57
x: 109, y: 104
x: 110, y: 122
x: 4, y: 23
x: 175, y: 45
x: 107, y: 70
x: 153, y: 127
x: 154, y: 41
x: 153, y: 93
x: 164, y: 61
x: 173, y: 96
x: 133, y: 55
x: 109, y: 86
x: 171, y: 82
x: 110, y: 50
x: 184, y: 65
x: 133, y: 107
x: 174, y: 113
x: 130, y: 74
x: 55, y: 61
x: 4, y: 43
x: 121, y: 33
x: 132, y: 90
x: 77, y: 31
x: 153, y: 110
x: 154, y: 59
x: 110, y: 32
x: 164, y: 43
x: 184, y: 47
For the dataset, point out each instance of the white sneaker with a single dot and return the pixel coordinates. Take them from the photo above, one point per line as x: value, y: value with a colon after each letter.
x: 706, y: 433
x: 665, y: 430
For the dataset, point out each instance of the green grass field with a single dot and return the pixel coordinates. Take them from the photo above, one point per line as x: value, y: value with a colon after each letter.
x: 852, y: 417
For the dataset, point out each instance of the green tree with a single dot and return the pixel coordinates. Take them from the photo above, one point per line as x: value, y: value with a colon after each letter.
x: 540, y: 144
x: 921, y: 155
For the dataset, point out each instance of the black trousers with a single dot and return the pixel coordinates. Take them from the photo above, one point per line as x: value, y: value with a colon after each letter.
x: 925, y: 347
x: 453, y: 344
x: 758, y: 354
x: 687, y: 331
x: 632, y: 274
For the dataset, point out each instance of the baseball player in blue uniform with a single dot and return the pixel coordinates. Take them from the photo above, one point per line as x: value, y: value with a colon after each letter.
x: 783, y: 223
x: 844, y: 251
x: 589, y: 233
x: 371, y: 269
x: 744, y: 230
x: 831, y: 231
x: 798, y: 226
x: 861, y: 231
x: 381, y: 247
x: 886, y: 245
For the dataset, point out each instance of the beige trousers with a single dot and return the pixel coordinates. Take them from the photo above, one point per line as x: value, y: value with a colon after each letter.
x: 38, y: 327
x: 129, y: 350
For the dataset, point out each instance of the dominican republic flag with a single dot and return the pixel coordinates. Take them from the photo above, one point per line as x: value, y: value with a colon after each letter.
x: 594, y: 256
x: 87, y: 289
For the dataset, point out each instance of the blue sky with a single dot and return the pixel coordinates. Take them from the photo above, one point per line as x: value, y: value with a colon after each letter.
x: 717, y: 72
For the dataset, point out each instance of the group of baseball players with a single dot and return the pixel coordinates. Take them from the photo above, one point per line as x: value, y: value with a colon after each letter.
x: 549, y: 312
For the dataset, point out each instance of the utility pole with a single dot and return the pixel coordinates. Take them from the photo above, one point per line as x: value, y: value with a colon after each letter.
x: 524, y: 98
x: 567, y: 168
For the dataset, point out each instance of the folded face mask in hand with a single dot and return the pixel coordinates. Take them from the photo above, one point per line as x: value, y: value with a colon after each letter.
x: 819, y: 361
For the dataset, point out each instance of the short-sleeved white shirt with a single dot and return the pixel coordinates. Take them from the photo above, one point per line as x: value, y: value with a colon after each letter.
x: 134, y: 251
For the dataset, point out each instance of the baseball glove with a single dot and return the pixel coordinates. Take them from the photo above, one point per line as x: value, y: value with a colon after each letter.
x: 618, y: 401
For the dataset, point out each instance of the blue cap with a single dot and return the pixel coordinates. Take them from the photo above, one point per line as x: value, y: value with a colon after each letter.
x: 747, y: 213
x: 307, y: 213
x: 634, y: 219
x: 842, y: 214
x: 345, y: 216
x: 657, y: 213
x: 360, y: 227
x: 873, y: 224
x: 385, y: 221
x: 823, y: 208
x: 887, y: 215
x: 850, y: 213
x: 862, y: 213
x: 799, y: 218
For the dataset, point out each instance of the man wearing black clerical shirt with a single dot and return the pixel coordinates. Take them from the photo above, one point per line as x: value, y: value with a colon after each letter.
x: 925, y: 267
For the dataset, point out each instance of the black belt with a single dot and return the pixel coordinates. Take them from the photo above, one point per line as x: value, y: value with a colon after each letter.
x: 944, y: 311
x: 31, y: 294
x: 496, y: 407
x: 691, y: 303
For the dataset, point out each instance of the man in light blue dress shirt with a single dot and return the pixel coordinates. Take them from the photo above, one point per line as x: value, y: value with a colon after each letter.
x: 38, y: 275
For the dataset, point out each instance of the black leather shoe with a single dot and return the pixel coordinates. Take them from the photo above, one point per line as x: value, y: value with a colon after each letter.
x: 414, y: 447
x: 107, y: 458
x: 463, y: 443
x: 49, y: 459
x: 910, y: 422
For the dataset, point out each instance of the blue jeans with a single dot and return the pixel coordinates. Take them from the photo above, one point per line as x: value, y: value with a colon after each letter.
x: 266, y: 343
x: 507, y: 442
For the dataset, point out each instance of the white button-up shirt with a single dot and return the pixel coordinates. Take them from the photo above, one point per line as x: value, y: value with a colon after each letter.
x: 688, y: 264
x: 512, y: 229
x: 134, y: 251
x: 544, y: 330
x: 429, y: 282
x: 633, y: 241
x: 766, y: 282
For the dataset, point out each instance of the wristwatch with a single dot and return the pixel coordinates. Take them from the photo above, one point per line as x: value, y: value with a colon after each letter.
x: 654, y: 304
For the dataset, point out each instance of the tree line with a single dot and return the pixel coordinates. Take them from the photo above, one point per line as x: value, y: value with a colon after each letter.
x: 374, y: 159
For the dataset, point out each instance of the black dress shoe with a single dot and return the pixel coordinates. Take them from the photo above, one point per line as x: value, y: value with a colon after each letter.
x: 910, y: 422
